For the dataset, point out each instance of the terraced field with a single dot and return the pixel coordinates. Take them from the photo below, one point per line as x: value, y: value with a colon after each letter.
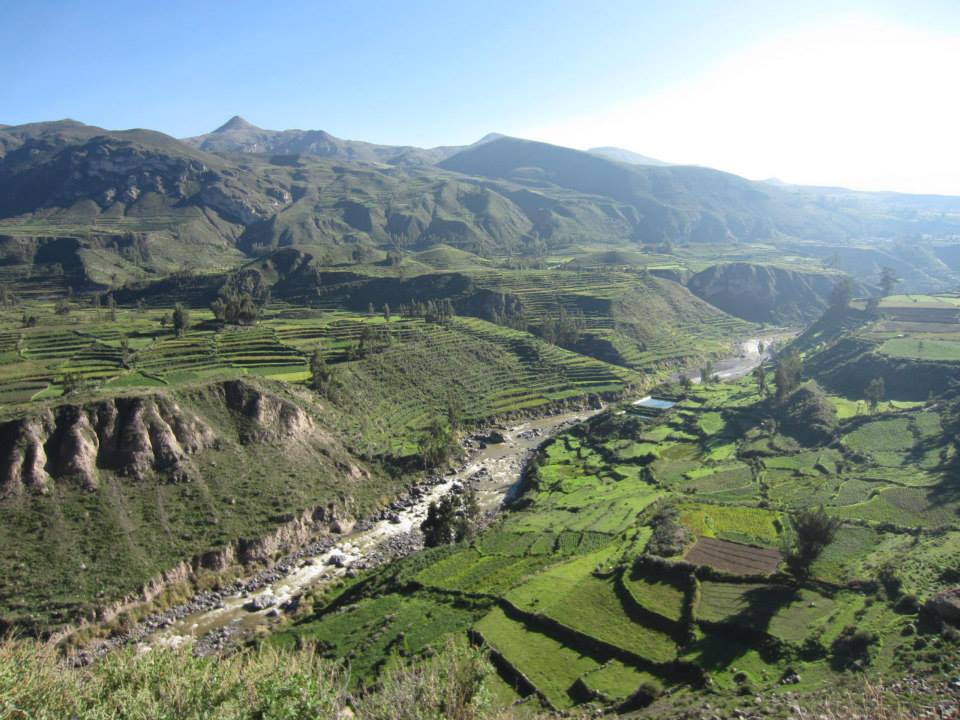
x: 646, y: 551
x: 400, y: 373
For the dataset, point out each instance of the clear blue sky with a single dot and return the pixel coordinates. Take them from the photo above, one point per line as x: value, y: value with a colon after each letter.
x: 423, y: 73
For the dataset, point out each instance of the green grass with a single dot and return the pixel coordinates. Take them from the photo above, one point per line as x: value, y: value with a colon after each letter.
x: 594, y: 608
x: 656, y: 595
x: 616, y: 681
x: 550, y: 665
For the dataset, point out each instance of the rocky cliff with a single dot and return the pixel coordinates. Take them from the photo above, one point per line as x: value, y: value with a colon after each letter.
x: 105, y: 504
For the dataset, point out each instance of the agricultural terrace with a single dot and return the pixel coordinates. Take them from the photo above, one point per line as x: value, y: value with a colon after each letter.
x: 646, y: 551
x: 391, y: 377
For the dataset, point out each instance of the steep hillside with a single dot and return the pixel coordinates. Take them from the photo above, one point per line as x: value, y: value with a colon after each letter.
x: 764, y: 293
x: 108, y: 501
x: 672, y: 203
x: 626, y: 156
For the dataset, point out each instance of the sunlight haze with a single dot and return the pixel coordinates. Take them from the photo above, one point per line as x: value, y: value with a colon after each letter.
x: 860, y: 105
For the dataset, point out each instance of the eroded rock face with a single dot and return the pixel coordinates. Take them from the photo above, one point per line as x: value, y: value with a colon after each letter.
x: 25, y: 459
x: 269, y: 418
x: 133, y: 436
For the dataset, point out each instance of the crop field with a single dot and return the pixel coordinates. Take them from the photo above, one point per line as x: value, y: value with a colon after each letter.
x: 655, y: 595
x: 470, y: 572
x: 733, y: 558
x: 616, y: 681
x: 549, y: 664
x: 594, y: 608
x: 734, y: 523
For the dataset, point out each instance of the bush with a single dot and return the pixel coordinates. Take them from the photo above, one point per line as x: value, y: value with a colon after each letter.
x: 852, y: 647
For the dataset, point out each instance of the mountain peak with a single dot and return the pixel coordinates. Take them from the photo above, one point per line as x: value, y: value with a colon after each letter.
x: 489, y: 137
x: 235, y: 123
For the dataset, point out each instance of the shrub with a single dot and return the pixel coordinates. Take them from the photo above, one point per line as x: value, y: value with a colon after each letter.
x: 852, y: 647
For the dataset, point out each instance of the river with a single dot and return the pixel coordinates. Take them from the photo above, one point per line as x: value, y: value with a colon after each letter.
x: 493, y: 468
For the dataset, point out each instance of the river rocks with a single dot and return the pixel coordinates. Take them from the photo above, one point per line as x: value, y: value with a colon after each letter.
x: 261, y: 602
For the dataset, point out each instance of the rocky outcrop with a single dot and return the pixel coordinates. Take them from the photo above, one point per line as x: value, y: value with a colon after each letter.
x: 134, y: 436
x: 764, y: 293
x: 24, y: 459
x: 265, y: 417
x: 945, y: 605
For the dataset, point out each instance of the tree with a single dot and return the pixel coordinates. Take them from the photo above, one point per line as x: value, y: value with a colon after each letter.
x: 181, y: 319
x: 787, y: 375
x: 96, y: 305
x: 841, y: 294
x: 62, y: 307
x: 112, y: 307
x: 815, y: 530
x: 436, y: 445
x: 370, y: 309
x: 760, y: 375
x: 888, y: 281
x: 386, y: 312
x: 685, y: 382
x: 454, y: 519
x: 874, y: 392
x: 321, y: 377
x: 706, y: 373
x: 126, y: 355
x: 7, y: 298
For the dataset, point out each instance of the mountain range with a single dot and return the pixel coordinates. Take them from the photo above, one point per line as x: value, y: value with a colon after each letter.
x: 125, y: 203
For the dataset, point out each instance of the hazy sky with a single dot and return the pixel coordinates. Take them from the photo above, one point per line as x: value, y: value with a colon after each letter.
x: 862, y: 94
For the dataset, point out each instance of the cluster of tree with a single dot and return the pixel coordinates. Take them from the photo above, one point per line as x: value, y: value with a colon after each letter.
x: 564, y: 330
x: 433, y: 311
x: 235, y: 307
x: 454, y: 519
x: 508, y: 311
x: 73, y: 383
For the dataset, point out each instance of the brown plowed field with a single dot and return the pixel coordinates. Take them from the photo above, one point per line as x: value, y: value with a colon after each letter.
x: 733, y: 557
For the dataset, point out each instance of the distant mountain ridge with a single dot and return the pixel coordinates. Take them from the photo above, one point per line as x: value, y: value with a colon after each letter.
x: 626, y: 156
x: 118, y: 204
x: 239, y: 136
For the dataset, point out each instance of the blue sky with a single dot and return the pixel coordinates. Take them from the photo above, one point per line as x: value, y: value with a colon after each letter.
x: 433, y: 73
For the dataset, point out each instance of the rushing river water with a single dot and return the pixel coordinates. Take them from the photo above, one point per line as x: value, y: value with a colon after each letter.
x: 493, y: 469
